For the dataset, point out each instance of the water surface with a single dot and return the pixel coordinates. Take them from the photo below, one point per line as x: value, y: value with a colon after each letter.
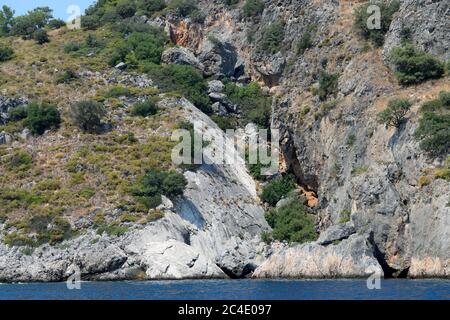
x: 232, y: 289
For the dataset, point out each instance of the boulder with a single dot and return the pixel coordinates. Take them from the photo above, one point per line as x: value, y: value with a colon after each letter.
x: 352, y: 257
x: 121, y: 66
x: 223, y: 99
x: 215, y: 86
x: 5, y: 138
x: 220, y: 59
x: 182, y: 56
x: 176, y: 260
x: 336, y: 233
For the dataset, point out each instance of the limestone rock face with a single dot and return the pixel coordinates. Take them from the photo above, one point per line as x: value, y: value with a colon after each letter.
x: 212, y: 231
x: 181, y: 56
x: 427, y: 23
x: 350, y: 258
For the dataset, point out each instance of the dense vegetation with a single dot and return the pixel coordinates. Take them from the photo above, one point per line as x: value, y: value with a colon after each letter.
x: 254, y: 105
x: 413, y: 65
x: 434, y: 126
x: 363, y: 18
x: 290, y: 223
x: 6, y: 53
x: 29, y: 26
x: 145, y: 108
x: 183, y: 80
x: 140, y: 47
x: 328, y: 85
x: 394, y: 114
x: 277, y: 189
x: 253, y: 8
x: 156, y: 183
x: 88, y: 115
x: 273, y: 36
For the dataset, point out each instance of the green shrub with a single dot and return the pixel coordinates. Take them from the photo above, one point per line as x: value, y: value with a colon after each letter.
x: 328, y: 85
x: 291, y: 223
x: 359, y: 170
x: 21, y: 160
x: 40, y: 36
x: 394, y: 114
x: 434, y: 133
x: 118, y: 91
x: 42, y: 117
x: 182, y: 8
x: 6, y: 53
x: 18, y: 113
x: 66, y: 76
x: 126, y: 8
x: 90, y: 22
x: 276, y: 189
x: 6, y: 20
x: 88, y: 115
x: 34, y: 20
x: 387, y: 10
x: 413, y: 65
x: 344, y: 216
x: 112, y: 230
x: 149, y: 7
x: 71, y: 47
x: 255, y: 106
x: 272, y: 37
x: 155, y: 183
x: 304, y: 43
x: 184, y: 80
x: 140, y: 47
x: 253, y: 8
x: 56, y: 24
x: 144, y: 109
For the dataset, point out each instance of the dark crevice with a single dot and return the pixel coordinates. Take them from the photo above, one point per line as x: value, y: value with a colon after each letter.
x: 307, y: 182
x: 247, y: 271
x: 388, y: 270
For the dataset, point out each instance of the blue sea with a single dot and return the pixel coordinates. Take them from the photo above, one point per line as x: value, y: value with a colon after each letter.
x: 231, y: 290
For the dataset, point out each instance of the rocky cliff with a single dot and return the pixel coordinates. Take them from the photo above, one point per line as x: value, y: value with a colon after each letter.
x: 343, y: 159
x: 407, y: 222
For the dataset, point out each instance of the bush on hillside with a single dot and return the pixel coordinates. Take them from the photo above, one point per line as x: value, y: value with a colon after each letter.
x: 6, y: 53
x: 304, y: 43
x: 56, y: 24
x: 255, y: 106
x: 66, y: 76
x: 253, y: 8
x: 276, y: 189
x: 155, y: 183
x: 413, y: 65
x: 34, y: 20
x: 328, y: 85
x: 272, y: 37
x: 434, y: 126
x: 362, y: 17
x: 149, y: 7
x: 42, y: 117
x: 140, y: 47
x: 88, y: 115
x: 291, y: 223
x: 182, y: 8
x: 18, y: 113
x: 126, y: 8
x: 6, y: 20
x: 145, y: 108
x: 183, y: 80
x: 394, y: 114
x: 40, y: 36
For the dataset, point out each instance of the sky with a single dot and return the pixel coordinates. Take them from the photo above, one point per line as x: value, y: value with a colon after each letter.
x: 59, y: 6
